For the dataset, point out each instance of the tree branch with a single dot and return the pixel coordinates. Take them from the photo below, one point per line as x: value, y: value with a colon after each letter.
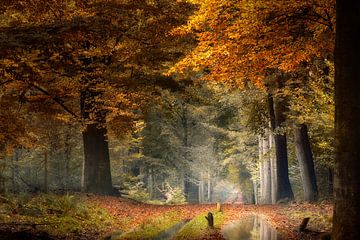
x: 55, y: 99
x: 3, y: 83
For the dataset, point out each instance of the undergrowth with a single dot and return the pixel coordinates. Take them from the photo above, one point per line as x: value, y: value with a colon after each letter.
x: 198, y: 227
x: 56, y: 215
x: 153, y: 227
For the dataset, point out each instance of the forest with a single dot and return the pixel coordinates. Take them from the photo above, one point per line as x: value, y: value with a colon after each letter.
x: 179, y: 119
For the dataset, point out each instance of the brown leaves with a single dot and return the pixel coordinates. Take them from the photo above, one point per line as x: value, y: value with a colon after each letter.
x: 284, y: 218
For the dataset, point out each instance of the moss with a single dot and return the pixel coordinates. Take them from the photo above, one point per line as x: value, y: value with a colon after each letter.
x: 60, y: 215
x: 198, y: 227
x: 153, y: 227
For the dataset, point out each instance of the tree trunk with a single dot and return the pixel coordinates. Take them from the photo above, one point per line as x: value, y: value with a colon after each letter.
x: 347, y: 118
x: 67, y: 158
x: 261, y: 170
x: 272, y: 168
x: 46, y: 185
x: 331, y: 182
x: 97, y: 173
x: 201, y: 190
x: 150, y: 183
x: 283, y: 189
x: 209, y: 187
x: 266, y: 172
x: 2, y: 168
x: 255, y: 189
x: 306, y: 162
x: 15, y: 171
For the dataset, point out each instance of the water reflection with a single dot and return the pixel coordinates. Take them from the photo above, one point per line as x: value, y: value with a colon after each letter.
x: 250, y: 228
x: 168, y: 234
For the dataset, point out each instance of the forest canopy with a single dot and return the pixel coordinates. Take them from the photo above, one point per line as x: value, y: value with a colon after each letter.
x: 172, y: 101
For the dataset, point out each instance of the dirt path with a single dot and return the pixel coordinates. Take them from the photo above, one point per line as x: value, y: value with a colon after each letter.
x: 131, y: 215
x: 284, y: 218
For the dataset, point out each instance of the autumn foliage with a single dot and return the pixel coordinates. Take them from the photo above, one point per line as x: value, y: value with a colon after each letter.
x: 240, y: 40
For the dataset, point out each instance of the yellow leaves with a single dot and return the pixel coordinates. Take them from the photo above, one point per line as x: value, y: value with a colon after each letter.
x: 64, y: 117
x: 249, y: 36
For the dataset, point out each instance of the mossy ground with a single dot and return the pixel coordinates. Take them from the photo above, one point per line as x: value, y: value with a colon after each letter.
x: 153, y: 226
x: 95, y: 217
x: 198, y: 227
x: 60, y: 216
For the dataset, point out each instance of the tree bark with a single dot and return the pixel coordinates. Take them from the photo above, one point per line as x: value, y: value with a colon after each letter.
x: 97, y: 174
x: 46, y: 185
x: 255, y: 190
x: 210, y: 220
x: 15, y: 171
x: 283, y: 189
x: 331, y: 182
x: 261, y: 170
x: 201, y: 189
x: 266, y: 172
x: 209, y: 186
x: 67, y: 157
x: 346, y: 219
x: 150, y: 183
x: 272, y: 168
x: 306, y: 162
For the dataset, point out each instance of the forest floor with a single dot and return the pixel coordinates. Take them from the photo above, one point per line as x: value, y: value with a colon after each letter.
x: 103, y: 217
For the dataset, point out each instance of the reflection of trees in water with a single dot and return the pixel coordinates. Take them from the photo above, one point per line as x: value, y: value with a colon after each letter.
x: 250, y: 227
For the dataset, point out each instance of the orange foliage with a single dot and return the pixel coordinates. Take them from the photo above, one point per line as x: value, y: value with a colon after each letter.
x: 242, y: 39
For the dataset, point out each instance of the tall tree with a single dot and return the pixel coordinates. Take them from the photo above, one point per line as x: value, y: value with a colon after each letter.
x: 103, y: 54
x: 287, y: 34
x: 306, y: 162
x: 283, y: 190
x: 347, y: 104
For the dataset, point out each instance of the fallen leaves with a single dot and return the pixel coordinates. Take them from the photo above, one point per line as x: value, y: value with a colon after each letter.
x: 130, y: 215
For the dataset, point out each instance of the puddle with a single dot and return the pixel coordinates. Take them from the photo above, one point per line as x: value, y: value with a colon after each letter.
x: 252, y: 227
x: 169, y: 233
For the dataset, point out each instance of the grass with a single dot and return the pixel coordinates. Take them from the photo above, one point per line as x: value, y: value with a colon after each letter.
x: 153, y: 227
x: 198, y: 227
x: 56, y: 215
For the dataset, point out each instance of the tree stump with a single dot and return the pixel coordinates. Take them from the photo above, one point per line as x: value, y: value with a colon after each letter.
x: 218, y: 207
x: 303, y: 224
x: 210, y: 219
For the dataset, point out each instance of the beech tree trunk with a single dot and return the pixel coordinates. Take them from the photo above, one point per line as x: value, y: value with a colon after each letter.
x: 272, y: 168
x: 261, y: 169
x: 97, y: 174
x: 331, y: 182
x: 201, y: 189
x: 346, y: 220
x: 283, y: 189
x: 2, y: 168
x: 267, y: 172
x: 46, y: 185
x: 209, y: 186
x: 255, y: 190
x: 15, y: 171
x: 306, y: 162
x: 150, y: 183
x: 67, y: 157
